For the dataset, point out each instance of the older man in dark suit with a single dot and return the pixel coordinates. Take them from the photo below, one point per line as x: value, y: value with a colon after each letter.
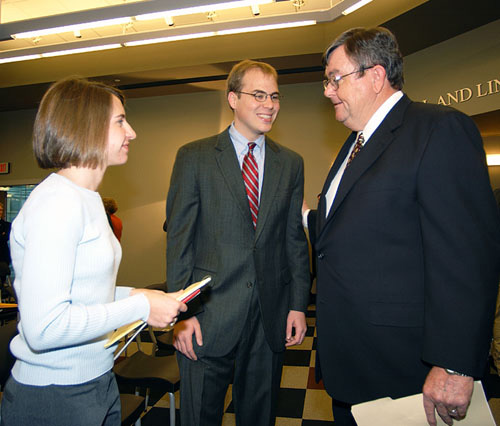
x: 234, y: 212
x: 407, y: 241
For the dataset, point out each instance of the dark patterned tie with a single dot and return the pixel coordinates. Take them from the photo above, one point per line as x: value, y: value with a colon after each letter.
x: 360, y: 140
x: 250, y: 171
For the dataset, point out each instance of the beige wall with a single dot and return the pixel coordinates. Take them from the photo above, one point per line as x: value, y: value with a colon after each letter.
x: 306, y: 124
x: 163, y: 124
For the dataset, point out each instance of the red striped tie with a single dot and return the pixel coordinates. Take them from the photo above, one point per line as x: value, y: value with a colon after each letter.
x: 250, y: 171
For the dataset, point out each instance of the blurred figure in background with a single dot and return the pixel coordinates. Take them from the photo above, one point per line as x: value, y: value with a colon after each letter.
x: 115, y: 222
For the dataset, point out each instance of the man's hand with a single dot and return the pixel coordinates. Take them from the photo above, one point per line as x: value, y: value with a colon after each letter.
x: 183, y: 337
x: 296, y: 320
x: 449, y: 394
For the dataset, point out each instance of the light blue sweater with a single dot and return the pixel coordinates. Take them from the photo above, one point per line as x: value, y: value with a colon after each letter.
x: 65, y: 259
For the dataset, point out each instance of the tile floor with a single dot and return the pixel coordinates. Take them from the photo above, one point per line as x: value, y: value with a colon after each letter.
x: 301, y: 401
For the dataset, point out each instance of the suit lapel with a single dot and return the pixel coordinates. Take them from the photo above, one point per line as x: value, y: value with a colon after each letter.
x: 376, y: 145
x: 272, y: 175
x: 230, y: 169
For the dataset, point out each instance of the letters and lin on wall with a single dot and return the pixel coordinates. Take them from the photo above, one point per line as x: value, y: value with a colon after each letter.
x: 480, y: 90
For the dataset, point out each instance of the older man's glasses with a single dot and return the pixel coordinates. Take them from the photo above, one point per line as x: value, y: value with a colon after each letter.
x: 335, y: 80
x: 261, y: 96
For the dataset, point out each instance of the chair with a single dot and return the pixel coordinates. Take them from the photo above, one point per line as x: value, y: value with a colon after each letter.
x: 8, y: 313
x: 132, y: 408
x: 150, y: 372
x: 164, y: 342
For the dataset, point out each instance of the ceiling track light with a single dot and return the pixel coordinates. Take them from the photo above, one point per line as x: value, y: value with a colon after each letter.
x: 268, y: 19
x: 48, y: 54
x: 203, y: 9
x: 81, y: 50
x: 59, y: 53
x: 105, y: 16
x: 355, y: 6
x: 72, y: 28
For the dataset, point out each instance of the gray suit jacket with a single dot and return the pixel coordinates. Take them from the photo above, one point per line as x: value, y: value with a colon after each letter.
x: 210, y: 232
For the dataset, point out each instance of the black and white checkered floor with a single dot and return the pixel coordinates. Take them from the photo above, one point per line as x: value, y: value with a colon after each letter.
x: 301, y: 401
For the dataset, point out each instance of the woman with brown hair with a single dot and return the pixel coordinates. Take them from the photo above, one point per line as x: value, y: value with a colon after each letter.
x: 65, y: 259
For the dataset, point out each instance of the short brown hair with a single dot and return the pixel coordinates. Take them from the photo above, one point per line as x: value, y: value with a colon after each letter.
x: 71, y: 125
x: 234, y: 81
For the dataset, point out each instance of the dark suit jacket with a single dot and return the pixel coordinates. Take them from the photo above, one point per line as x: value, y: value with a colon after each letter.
x: 210, y: 231
x: 408, y: 257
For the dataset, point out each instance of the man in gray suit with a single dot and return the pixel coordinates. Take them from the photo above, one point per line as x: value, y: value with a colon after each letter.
x: 234, y: 212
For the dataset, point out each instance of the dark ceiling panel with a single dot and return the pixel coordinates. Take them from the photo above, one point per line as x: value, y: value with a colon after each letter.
x: 439, y: 20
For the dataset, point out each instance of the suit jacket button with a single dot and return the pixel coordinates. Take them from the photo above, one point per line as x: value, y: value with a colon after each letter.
x: 249, y: 284
x: 321, y: 256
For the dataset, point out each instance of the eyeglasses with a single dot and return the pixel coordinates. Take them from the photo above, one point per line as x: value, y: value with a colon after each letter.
x: 334, y: 81
x: 261, y: 96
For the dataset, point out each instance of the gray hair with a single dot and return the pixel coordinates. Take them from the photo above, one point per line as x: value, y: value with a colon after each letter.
x: 372, y: 46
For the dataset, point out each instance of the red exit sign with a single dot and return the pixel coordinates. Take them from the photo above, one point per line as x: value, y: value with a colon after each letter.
x: 4, y: 168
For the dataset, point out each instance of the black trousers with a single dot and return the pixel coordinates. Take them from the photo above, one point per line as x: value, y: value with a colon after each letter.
x: 256, y: 371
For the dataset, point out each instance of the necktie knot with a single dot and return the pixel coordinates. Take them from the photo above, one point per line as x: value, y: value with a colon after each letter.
x: 361, y: 138
x: 251, y: 146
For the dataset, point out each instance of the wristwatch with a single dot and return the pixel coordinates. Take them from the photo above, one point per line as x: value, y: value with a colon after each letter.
x: 455, y: 373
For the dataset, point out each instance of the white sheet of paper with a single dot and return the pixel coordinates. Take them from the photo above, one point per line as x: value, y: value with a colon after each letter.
x: 409, y: 411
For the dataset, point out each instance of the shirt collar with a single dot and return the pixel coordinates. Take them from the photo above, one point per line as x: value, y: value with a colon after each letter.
x: 240, y: 142
x: 380, y: 114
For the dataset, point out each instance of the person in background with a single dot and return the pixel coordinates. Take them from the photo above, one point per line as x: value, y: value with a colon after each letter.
x: 407, y: 239
x: 234, y: 212
x: 4, y: 247
x: 65, y: 259
x: 111, y: 207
